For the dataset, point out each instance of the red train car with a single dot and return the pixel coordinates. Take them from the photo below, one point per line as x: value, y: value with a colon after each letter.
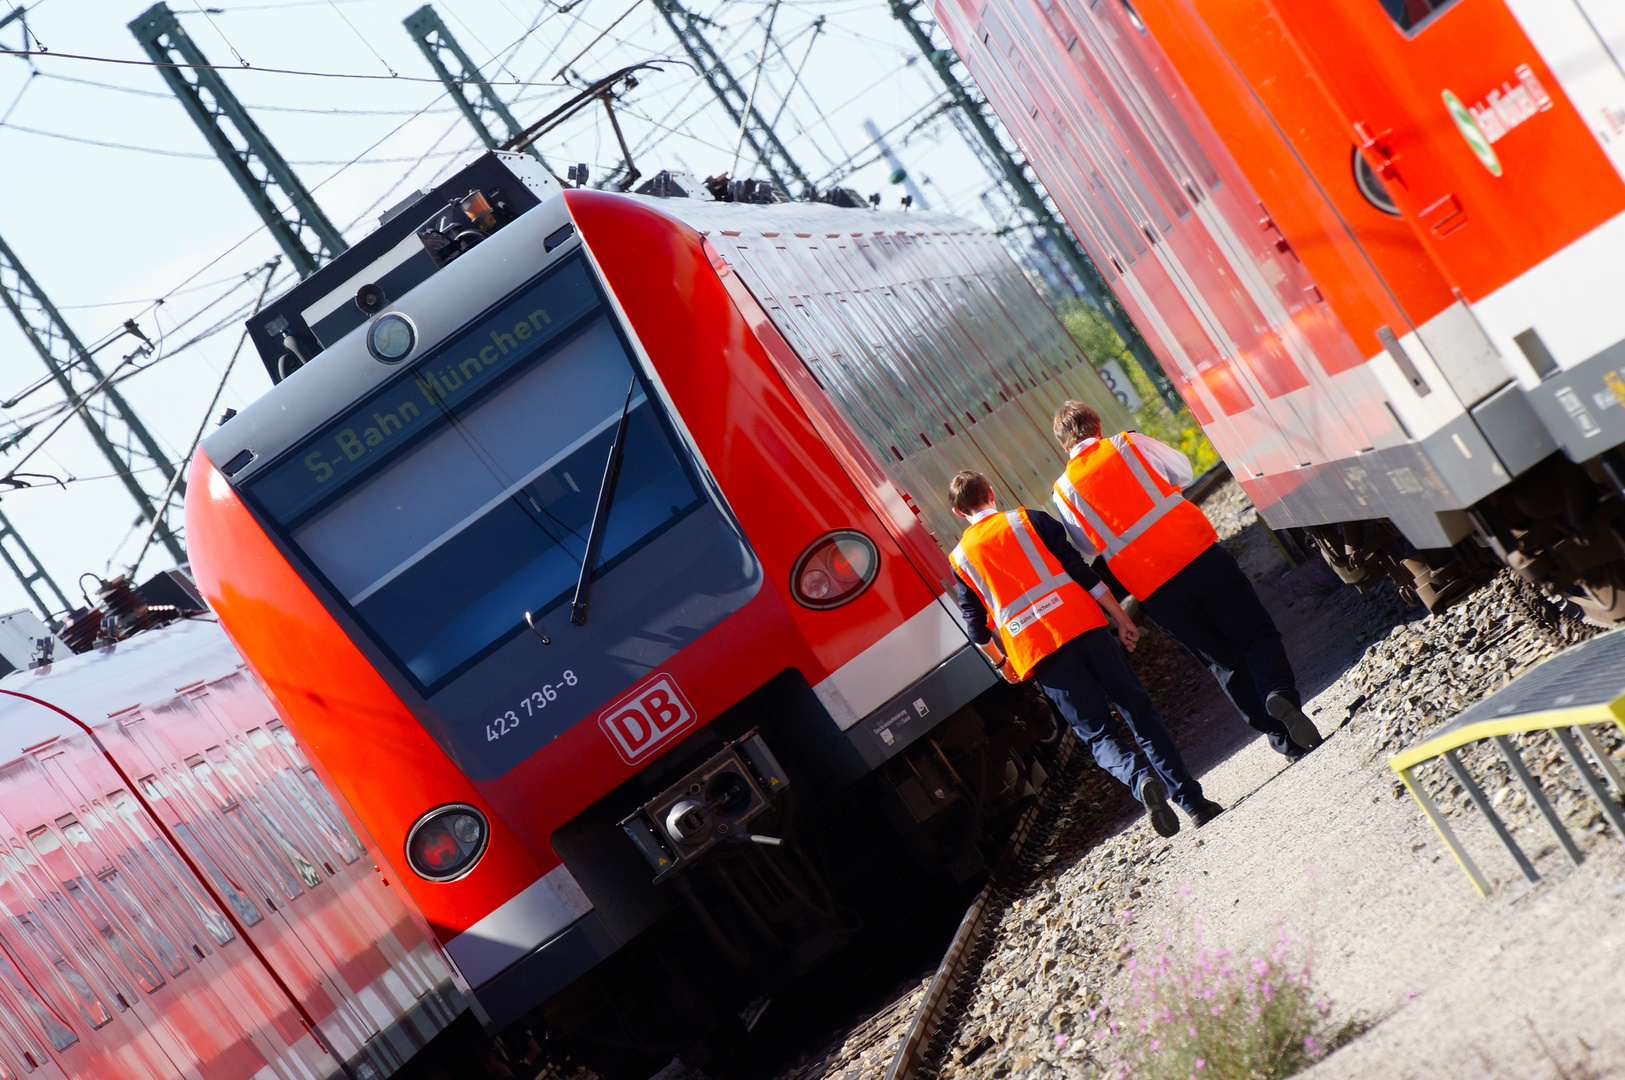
x: 1378, y: 242
x: 180, y: 894
x: 586, y: 541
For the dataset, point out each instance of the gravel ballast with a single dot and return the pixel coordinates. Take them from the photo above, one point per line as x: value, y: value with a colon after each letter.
x: 1519, y: 985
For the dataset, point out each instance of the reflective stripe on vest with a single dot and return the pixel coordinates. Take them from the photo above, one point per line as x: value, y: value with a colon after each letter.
x: 1052, y: 598
x: 1160, y: 553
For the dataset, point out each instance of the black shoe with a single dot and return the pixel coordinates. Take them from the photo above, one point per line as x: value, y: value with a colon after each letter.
x: 1299, y: 726
x: 1294, y: 753
x: 1154, y: 797
x: 1204, y: 811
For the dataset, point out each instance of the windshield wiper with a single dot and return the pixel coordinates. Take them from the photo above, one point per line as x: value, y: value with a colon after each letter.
x: 600, y: 514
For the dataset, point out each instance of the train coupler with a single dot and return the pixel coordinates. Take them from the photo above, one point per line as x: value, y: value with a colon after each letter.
x: 713, y: 804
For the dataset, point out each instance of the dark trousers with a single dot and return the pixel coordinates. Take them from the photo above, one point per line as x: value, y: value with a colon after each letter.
x: 1088, y: 675
x: 1211, y: 608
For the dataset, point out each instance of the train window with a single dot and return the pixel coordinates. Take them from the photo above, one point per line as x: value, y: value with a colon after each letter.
x: 1132, y: 16
x: 324, y: 800
x: 141, y: 969
x: 215, y: 924
x: 301, y: 865
x: 170, y: 865
x: 89, y: 1003
x: 440, y: 511
x: 324, y: 825
x: 1371, y: 186
x: 258, y: 845
x: 116, y: 887
x: 240, y: 901
x: 101, y: 915
x: 54, y: 1024
x: 1411, y: 15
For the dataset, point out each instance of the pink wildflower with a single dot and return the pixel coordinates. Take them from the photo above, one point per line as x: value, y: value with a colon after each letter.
x: 1201, y: 1063
x: 1060, y: 1040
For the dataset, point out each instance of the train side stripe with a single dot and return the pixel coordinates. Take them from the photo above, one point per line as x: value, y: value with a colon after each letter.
x: 543, y: 910
x: 877, y: 674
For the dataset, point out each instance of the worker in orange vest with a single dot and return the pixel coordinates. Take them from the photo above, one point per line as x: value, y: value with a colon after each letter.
x: 1120, y: 497
x: 1019, y: 577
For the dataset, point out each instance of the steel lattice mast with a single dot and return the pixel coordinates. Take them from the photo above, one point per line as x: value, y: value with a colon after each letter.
x: 1044, y: 220
x: 30, y: 574
x: 758, y: 132
x: 114, y: 427
x: 302, y: 230
x: 437, y: 43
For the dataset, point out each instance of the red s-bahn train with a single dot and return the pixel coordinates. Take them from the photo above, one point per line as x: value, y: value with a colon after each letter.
x: 590, y: 544
x: 1379, y: 242
x: 180, y: 894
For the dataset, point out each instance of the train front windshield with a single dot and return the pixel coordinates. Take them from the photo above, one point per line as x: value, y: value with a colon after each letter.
x: 458, y: 497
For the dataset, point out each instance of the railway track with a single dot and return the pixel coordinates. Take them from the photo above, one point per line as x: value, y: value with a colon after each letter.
x: 934, y: 1022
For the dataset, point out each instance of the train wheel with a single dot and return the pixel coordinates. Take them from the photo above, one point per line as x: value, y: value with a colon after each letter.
x: 1601, y: 595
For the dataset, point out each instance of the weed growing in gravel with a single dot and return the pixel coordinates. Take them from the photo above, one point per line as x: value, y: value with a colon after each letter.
x: 1201, y: 1013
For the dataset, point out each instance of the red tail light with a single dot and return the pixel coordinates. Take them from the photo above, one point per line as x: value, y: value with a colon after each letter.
x: 834, y: 570
x: 447, y: 842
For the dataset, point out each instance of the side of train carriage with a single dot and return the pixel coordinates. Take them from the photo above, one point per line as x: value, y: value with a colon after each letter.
x: 1380, y: 243
x: 181, y: 895
x: 740, y: 419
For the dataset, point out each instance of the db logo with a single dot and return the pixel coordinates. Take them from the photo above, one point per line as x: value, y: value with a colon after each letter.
x: 647, y: 717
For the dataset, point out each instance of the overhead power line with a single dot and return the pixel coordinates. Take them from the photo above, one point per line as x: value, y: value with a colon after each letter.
x: 125, y: 61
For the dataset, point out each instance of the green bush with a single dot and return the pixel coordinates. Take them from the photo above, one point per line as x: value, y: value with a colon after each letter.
x: 1202, y: 1013
x: 1100, y: 343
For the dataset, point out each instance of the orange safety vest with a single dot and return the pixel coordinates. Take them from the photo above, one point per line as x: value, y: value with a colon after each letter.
x: 1135, y: 518
x: 1034, y: 605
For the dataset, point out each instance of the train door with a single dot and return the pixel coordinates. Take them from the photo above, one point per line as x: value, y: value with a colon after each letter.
x: 1277, y: 288
x: 1486, y: 154
x: 1187, y: 239
x: 154, y: 885
x: 1206, y: 378
x: 418, y: 970
x: 114, y: 897
x: 242, y: 866
x: 96, y: 1019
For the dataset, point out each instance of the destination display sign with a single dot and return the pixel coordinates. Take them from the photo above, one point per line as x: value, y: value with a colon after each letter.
x: 368, y: 433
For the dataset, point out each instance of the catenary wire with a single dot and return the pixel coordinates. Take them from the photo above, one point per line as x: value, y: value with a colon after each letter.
x: 126, y: 61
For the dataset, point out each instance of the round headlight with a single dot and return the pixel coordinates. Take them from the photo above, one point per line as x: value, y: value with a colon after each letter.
x: 391, y: 337
x: 834, y: 570
x: 447, y: 842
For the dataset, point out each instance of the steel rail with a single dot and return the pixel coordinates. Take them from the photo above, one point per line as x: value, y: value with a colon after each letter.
x: 981, y: 918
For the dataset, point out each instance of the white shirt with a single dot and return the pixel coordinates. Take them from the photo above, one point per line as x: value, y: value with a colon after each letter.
x: 1164, y: 460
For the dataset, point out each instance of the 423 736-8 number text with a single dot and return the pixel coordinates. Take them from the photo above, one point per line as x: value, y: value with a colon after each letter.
x: 529, y: 706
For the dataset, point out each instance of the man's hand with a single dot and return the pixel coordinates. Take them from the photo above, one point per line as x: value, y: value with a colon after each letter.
x: 1007, y: 671
x: 1127, y: 632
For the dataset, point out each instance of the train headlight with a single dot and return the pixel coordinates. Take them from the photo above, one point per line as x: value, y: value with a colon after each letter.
x: 834, y: 570
x: 391, y: 337
x: 447, y: 842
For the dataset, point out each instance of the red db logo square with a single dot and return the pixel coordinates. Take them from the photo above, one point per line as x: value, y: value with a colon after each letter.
x: 647, y: 717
